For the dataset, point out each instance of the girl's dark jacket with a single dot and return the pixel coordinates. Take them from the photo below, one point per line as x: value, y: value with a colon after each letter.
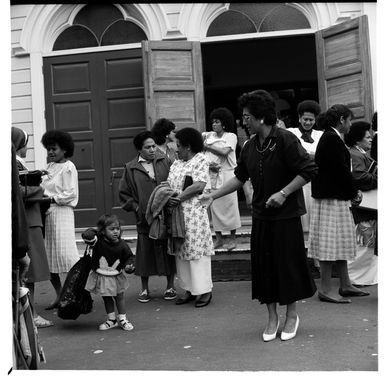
x: 334, y: 179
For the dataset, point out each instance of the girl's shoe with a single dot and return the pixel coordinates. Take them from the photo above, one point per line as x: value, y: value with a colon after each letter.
x: 126, y: 325
x: 109, y: 324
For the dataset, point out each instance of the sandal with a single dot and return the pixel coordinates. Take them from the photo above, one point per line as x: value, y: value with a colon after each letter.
x: 109, y: 324
x: 126, y: 325
x: 41, y: 322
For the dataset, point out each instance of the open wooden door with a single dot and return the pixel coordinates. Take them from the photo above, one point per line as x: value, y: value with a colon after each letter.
x: 173, y: 82
x: 344, y: 71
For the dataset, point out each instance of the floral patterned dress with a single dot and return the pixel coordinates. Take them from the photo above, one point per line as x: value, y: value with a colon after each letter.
x: 198, y: 238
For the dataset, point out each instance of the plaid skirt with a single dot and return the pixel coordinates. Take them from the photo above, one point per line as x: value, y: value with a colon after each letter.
x: 332, y: 232
x: 60, y: 243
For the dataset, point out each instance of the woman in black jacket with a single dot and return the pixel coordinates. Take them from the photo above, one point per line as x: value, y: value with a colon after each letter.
x: 332, y: 234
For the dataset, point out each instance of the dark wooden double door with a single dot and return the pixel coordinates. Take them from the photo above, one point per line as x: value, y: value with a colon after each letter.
x: 99, y: 99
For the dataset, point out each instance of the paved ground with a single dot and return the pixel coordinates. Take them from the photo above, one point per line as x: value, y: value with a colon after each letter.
x: 224, y: 336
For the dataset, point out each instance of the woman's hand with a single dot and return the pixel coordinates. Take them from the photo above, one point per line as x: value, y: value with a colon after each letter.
x: 276, y: 200
x: 174, y: 201
x: 205, y: 200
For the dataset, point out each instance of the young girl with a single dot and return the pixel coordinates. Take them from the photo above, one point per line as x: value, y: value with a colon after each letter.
x: 108, y: 278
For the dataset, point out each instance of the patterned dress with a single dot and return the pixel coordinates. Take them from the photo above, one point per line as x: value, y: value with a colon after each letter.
x: 198, y: 239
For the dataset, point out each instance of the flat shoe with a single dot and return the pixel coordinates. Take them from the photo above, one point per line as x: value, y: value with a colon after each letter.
x: 41, y: 322
x: 187, y: 297
x: 325, y: 298
x: 204, y: 300
x: 347, y: 293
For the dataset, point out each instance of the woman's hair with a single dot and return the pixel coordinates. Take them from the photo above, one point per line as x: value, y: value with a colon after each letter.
x: 141, y: 137
x: 374, y: 121
x: 190, y: 137
x: 62, y: 139
x: 226, y: 118
x: 334, y: 114
x: 161, y: 128
x: 356, y: 133
x: 260, y: 104
x: 308, y: 106
x: 105, y: 220
x: 321, y: 121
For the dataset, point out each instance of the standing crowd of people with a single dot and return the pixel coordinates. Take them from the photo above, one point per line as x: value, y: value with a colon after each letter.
x: 308, y: 179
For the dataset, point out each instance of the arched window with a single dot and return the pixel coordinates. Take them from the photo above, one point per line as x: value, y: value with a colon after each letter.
x: 99, y: 25
x: 242, y: 18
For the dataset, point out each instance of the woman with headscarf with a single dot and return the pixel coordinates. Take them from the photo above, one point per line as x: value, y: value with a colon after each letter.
x: 38, y: 268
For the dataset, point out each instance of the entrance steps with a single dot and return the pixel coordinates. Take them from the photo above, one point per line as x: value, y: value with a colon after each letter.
x: 227, y: 265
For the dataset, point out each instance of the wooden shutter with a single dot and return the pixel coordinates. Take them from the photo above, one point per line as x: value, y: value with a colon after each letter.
x: 344, y: 70
x: 173, y: 83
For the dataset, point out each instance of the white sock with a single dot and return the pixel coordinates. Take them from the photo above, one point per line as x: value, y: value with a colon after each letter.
x: 111, y: 316
x: 122, y: 316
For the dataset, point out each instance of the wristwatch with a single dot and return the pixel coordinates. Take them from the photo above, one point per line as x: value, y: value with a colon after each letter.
x: 283, y: 193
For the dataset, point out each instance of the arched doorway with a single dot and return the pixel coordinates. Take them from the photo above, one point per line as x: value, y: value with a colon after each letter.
x: 98, y: 97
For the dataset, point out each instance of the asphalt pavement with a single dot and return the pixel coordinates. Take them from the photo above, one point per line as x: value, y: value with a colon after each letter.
x: 224, y: 336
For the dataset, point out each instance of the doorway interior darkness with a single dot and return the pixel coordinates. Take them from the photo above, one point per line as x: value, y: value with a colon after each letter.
x: 284, y: 66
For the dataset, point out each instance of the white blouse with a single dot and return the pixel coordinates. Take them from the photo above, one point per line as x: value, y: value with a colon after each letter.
x: 61, y: 183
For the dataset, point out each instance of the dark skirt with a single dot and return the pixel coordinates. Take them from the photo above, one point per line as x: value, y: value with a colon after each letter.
x: 279, y: 268
x: 152, y: 258
x: 38, y: 268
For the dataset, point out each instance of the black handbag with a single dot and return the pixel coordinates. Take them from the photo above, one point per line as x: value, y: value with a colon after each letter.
x: 74, y: 299
x: 30, y: 178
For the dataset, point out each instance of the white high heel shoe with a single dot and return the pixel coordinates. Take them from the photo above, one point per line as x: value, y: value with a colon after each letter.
x: 290, y: 335
x: 269, y: 337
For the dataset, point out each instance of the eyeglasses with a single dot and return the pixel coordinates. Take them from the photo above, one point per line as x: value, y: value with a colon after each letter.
x: 246, y: 116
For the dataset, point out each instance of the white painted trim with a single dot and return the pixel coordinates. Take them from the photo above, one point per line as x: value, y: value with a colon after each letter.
x: 269, y: 34
x: 93, y: 49
x: 38, y: 107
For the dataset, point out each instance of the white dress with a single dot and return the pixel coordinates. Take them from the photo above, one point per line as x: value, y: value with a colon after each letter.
x: 225, y: 210
x: 61, y: 183
x: 310, y: 148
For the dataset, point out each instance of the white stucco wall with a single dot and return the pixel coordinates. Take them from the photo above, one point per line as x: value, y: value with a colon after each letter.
x: 34, y: 29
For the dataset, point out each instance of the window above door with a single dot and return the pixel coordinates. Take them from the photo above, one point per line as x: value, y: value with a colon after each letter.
x: 244, y: 18
x: 99, y: 25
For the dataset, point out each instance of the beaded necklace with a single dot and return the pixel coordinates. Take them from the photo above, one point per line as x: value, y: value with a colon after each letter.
x: 268, y: 146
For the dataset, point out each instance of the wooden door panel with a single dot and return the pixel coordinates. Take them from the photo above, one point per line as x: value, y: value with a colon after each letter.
x: 122, y: 114
x: 72, y: 106
x: 71, y: 78
x: 343, y: 63
x: 173, y: 83
x: 73, y: 116
x: 117, y: 76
